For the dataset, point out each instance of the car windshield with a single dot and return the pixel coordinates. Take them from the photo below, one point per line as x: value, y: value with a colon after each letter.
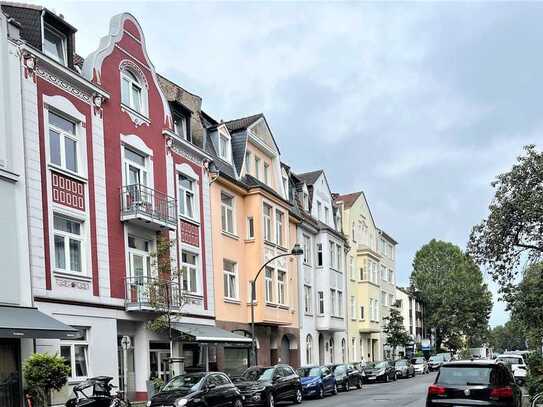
x: 191, y: 382
x: 377, y: 365
x: 400, y: 363
x: 417, y: 361
x: 464, y: 375
x: 436, y: 359
x: 309, y: 372
x: 510, y: 360
x: 266, y: 374
x: 252, y: 374
x: 339, y: 369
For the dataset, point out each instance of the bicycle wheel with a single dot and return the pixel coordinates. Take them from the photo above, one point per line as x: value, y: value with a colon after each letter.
x: 538, y: 398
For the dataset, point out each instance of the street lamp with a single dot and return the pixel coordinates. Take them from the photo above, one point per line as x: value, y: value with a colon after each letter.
x: 296, y: 251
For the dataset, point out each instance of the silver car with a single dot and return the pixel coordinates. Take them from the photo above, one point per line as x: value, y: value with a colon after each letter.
x: 421, y: 365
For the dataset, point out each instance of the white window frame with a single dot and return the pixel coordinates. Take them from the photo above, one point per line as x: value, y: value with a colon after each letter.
x: 339, y: 258
x: 67, y: 236
x: 134, y: 80
x: 226, y: 227
x: 228, y: 274
x: 268, y: 284
x: 319, y: 210
x: 279, y: 225
x: 321, y: 304
x: 333, y: 299
x: 248, y: 156
x: 319, y: 252
x: 72, y: 344
x: 250, y: 228
x: 332, y: 249
x: 183, y: 193
x: 188, y: 267
x: 63, y: 59
x: 308, y: 299
x: 268, y: 222
x: 225, y: 155
x: 181, y: 127
x: 309, y: 349
x: 281, y: 287
x: 63, y: 135
x: 257, y: 167
x: 340, y: 303
x: 353, y: 307
x: 307, y: 249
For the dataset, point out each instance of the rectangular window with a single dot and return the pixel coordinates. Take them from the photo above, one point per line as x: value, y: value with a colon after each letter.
x: 391, y: 275
x: 250, y: 228
x: 75, y: 354
x: 351, y: 265
x: 257, y: 168
x: 383, y: 298
x: 332, y: 255
x: 333, y: 302
x: 267, y: 213
x: 248, y: 162
x: 384, y: 274
x: 230, y: 280
x: 189, y: 262
x: 306, y: 201
x: 68, y: 244
x: 279, y: 228
x: 326, y: 215
x: 353, y: 307
x: 321, y: 302
x: 361, y: 312
x: 63, y: 142
x: 186, y: 197
x: 319, y: 211
x: 180, y: 126
x: 269, y: 284
x: 227, y: 213
x: 266, y: 174
x: 224, y: 147
x: 308, y: 300
x: 281, y: 287
x: 391, y: 300
x: 340, y: 303
x: 319, y: 254
x: 54, y: 44
x: 307, y: 250
x: 339, y: 258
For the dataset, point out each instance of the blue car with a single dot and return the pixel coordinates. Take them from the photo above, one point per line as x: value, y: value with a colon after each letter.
x: 317, y: 381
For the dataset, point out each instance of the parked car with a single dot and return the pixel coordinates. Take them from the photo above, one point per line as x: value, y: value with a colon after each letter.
x: 404, y: 368
x: 474, y: 383
x: 196, y: 389
x: 347, y: 376
x: 435, y: 362
x: 317, y: 381
x: 380, y: 371
x: 516, y: 364
x: 264, y: 386
x: 421, y: 365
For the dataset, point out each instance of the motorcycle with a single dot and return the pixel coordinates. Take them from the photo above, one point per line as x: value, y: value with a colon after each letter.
x: 96, y: 392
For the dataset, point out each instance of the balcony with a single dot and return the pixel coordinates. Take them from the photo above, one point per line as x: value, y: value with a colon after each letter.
x: 152, y: 294
x: 148, y: 208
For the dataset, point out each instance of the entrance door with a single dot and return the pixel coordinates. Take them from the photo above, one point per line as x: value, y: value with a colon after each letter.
x: 10, y: 385
x: 285, y: 350
x: 321, y: 350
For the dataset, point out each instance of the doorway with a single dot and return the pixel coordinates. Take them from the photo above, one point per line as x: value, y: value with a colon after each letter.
x: 321, y: 350
x: 159, y: 354
x: 10, y: 383
x: 285, y: 350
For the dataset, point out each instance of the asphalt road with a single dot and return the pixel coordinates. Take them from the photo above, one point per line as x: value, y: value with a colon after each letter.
x: 404, y: 392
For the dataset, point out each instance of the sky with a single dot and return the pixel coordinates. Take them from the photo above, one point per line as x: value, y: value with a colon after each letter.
x: 420, y: 105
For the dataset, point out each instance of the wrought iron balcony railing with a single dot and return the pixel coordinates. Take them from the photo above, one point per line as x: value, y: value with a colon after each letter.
x: 148, y: 206
x: 143, y: 293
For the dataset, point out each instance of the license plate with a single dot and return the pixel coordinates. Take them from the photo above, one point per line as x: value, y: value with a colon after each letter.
x: 371, y: 377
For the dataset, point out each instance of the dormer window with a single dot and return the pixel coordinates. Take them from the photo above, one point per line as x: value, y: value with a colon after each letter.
x: 131, y: 92
x: 54, y: 44
x: 181, y: 128
x: 224, y: 147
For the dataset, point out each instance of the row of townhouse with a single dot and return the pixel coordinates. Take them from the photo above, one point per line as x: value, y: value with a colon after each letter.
x: 99, y: 158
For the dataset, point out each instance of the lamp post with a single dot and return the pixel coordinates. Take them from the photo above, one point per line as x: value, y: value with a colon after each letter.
x: 296, y: 251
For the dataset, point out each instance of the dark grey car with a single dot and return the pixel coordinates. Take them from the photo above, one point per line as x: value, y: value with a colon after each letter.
x: 404, y: 368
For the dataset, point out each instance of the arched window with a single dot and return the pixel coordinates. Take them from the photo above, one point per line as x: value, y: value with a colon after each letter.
x: 309, y: 349
x: 331, y: 350
x: 132, y: 92
x: 343, y: 351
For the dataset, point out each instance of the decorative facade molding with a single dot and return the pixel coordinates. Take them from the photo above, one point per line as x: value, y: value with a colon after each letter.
x: 62, y: 84
x: 69, y: 283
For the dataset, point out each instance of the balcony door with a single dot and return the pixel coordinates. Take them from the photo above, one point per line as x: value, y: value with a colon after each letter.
x: 135, y: 178
x: 139, y: 268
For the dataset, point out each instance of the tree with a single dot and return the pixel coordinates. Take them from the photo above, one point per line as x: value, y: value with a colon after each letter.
x: 43, y: 373
x: 394, y: 330
x: 457, y: 302
x: 525, y: 301
x: 513, y: 231
x: 166, y: 293
x: 509, y: 336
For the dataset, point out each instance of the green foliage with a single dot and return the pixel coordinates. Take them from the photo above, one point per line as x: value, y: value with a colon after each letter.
x: 534, y: 380
x: 526, y: 303
x: 44, y: 372
x: 394, y: 330
x: 464, y: 354
x: 457, y: 302
x: 510, y: 336
x: 512, y: 232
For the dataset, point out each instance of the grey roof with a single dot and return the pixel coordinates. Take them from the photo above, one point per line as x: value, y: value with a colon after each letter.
x: 310, y: 177
x: 29, y: 16
x: 239, y: 145
x: 27, y: 322
x: 242, y: 123
x: 224, y: 167
x: 208, y: 333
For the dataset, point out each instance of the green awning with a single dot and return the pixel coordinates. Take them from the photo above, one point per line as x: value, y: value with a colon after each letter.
x: 27, y: 322
x: 208, y: 333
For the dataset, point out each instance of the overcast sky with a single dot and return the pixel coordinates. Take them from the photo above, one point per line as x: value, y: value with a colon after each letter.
x: 419, y: 105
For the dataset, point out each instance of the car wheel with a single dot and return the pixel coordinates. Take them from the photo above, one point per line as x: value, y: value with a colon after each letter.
x: 321, y: 392
x: 346, y: 385
x: 386, y: 378
x: 238, y: 403
x: 270, y: 402
x: 359, y: 384
x: 298, y: 397
x: 335, y: 389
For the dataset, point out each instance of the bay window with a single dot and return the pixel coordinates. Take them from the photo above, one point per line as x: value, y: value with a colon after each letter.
x: 308, y: 299
x: 307, y: 250
x: 319, y: 254
x: 68, y: 242
x: 63, y: 142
